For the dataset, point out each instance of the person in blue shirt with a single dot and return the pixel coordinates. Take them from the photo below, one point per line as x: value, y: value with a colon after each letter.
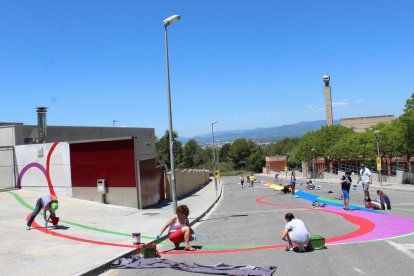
x: 384, y: 201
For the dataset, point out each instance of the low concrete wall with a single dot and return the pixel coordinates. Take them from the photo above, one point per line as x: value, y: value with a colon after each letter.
x: 123, y: 196
x: 187, y: 181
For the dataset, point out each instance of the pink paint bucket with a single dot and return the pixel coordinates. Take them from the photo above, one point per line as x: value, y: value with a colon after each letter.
x: 136, y: 238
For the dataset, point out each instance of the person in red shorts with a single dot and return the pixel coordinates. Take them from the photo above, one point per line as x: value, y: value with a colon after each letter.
x: 180, y: 229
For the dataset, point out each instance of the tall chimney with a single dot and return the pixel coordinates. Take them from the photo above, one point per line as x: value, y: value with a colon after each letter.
x: 328, y: 100
x: 41, y: 124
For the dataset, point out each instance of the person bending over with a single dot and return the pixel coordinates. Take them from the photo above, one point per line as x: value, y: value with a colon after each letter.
x: 179, y: 228
x: 49, y: 204
x: 295, y: 232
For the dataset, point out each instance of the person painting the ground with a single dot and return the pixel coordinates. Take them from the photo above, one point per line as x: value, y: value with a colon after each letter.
x: 384, y: 201
x: 293, y: 182
x: 365, y: 178
x: 346, y: 181
x: 48, y: 204
x: 295, y: 233
x: 180, y: 229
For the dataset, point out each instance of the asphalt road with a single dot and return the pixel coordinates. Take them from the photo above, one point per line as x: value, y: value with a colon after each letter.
x: 254, y: 217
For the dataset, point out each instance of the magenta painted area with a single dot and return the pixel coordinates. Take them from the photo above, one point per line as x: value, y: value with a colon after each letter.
x: 386, y: 225
x: 27, y: 167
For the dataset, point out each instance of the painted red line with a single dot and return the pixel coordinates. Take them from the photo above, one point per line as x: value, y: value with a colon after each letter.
x: 56, y: 234
x: 49, y: 181
x: 365, y: 226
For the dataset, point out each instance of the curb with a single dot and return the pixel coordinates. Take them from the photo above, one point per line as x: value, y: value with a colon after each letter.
x: 107, y: 264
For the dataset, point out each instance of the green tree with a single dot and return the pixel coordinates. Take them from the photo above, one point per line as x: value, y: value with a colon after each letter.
x: 162, y: 147
x: 256, y: 160
x: 224, y: 153
x: 239, y: 152
x: 407, y: 127
x: 191, y: 157
x: 282, y: 147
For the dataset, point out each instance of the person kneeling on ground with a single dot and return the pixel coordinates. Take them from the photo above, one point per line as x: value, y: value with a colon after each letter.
x: 384, y: 201
x: 295, y: 232
x: 180, y: 229
x: 48, y: 203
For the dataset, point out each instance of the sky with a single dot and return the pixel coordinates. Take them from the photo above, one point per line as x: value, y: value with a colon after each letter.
x: 245, y: 64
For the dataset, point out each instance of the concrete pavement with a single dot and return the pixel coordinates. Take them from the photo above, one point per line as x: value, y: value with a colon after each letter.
x: 373, y: 187
x: 91, y: 235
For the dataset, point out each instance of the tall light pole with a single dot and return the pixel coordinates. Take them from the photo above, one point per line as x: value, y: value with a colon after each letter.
x: 167, y: 22
x: 313, y: 163
x: 214, y: 146
x: 214, y: 155
x: 376, y: 133
x: 114, y: 122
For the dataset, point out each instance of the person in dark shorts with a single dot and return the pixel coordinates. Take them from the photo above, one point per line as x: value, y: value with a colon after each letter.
x: 346, y: 181
x: 293, y: 182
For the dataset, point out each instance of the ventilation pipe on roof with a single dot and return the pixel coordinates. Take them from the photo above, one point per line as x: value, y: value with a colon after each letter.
x: 41, y: 124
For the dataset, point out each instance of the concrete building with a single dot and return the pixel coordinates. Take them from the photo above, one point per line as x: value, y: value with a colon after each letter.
x: 361, y: 124
x: 276, y: 163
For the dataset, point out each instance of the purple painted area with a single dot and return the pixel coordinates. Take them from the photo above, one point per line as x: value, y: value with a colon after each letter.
x: 27, y: 167
x: 386, y: 225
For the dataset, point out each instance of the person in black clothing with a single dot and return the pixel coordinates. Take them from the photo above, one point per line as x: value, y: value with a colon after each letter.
x: 346, y: 181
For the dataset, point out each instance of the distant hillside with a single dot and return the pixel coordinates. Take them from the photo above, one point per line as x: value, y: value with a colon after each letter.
x: 260, y: 134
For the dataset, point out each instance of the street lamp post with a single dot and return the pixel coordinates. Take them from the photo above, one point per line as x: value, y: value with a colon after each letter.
x: 313, y: 163
x: 169, y: 21
x: 214, y: 155
x: 114, y: 122
x: 376, y: 133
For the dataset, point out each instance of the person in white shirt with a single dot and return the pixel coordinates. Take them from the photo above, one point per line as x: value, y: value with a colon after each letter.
x: 295, y: 232
x: 365, y: 178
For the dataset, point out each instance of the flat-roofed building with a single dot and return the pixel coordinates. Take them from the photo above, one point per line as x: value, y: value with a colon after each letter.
x: 361, y: 124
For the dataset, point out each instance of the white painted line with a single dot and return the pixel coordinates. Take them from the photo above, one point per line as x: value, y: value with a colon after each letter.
x: 404, y: 248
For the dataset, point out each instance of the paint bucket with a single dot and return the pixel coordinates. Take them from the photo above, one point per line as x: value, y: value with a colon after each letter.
x: 136, y: 238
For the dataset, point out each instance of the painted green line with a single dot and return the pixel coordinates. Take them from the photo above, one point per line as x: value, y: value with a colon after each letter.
x: 28, y: 206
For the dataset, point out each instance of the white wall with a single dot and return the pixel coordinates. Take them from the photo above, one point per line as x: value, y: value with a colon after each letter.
x: 34, y: 179
x: 7, y: 136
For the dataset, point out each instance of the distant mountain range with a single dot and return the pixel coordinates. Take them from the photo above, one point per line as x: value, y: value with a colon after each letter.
x: 267, y: 134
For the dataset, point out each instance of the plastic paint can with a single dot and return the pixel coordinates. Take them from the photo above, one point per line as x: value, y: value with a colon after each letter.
x: 136, y: 238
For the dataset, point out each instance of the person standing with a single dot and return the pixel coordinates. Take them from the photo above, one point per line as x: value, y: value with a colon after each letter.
x: 293, y: 182
x: 242, y: 180
x: 366, y: 180
x: 252, y: 178
x: 48, y: 204
x: 295, y: 232
x: 346, y: 181
x: 179, y: 228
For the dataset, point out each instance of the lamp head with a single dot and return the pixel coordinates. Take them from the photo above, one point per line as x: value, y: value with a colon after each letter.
x: 171, y: 20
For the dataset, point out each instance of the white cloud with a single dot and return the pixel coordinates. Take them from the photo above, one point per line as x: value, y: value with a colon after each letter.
x: 359, y: 101
x: 315, y: 107
x: 338, y: 104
